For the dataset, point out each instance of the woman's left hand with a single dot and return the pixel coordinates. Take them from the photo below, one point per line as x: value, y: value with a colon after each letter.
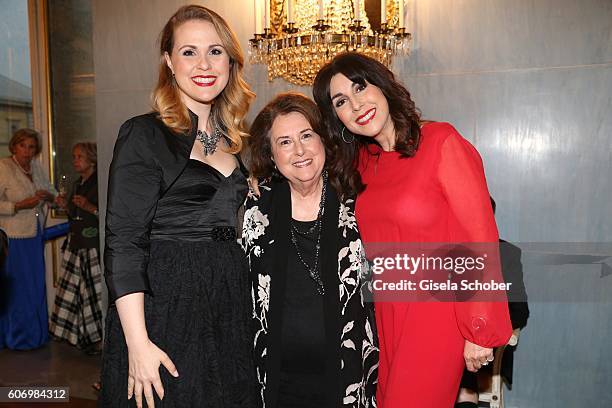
x: 476, y: 356
x: 45, y: 195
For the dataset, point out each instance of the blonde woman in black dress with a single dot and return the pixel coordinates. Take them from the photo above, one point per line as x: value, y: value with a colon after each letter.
x: 177, y: 334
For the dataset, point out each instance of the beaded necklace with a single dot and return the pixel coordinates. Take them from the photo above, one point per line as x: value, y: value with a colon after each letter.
x: 316, y: 227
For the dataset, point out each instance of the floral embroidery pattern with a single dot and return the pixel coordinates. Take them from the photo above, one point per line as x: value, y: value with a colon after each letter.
x: 254, y: 227
x: 347, y: 218
x: 263, y: 293
x: 255, y: 224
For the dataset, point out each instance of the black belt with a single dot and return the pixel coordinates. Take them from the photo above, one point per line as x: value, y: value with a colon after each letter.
x: 223, y: 233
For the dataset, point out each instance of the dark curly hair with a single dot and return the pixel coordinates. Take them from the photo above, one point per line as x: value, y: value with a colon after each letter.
x: 261, y: 164
x: 406, y: 117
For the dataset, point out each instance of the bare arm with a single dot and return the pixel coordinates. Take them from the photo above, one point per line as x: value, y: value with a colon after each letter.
x: 131, y: 313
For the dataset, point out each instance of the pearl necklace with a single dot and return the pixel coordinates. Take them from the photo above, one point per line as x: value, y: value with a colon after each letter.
x: 24, y: 171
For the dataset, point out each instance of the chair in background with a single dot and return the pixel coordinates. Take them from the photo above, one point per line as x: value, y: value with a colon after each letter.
x: 491, y: 387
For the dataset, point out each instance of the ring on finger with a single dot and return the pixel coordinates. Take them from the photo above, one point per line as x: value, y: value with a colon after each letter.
x: 490, y: 358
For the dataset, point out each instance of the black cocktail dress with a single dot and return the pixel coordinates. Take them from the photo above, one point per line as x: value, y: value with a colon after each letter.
x: 197, y: 309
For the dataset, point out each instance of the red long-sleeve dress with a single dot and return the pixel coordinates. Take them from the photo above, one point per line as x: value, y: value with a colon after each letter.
x: 439, y: 195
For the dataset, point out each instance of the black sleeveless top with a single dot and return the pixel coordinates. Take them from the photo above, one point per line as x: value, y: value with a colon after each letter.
x: 200, y: 200
x: 302, y: 378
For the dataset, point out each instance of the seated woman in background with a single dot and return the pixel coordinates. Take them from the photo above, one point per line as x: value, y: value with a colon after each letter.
x: 77, y: 314
x: 315, y: 340
x: 24, y: 192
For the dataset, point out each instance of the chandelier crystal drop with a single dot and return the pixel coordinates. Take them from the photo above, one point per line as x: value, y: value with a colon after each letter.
x: 295, y: 38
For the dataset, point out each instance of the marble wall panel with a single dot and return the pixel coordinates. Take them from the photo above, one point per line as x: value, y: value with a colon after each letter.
x: 541, y: 134
x: 563, y: 362
x: 476, y: 35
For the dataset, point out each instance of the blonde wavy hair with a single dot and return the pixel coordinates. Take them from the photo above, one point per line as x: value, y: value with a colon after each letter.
x: 230, y: 107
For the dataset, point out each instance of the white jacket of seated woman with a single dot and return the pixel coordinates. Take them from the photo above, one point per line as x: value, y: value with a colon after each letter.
x: 14, y: 187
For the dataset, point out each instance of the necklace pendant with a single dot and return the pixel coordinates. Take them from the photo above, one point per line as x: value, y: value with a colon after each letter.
x: 209, y: 142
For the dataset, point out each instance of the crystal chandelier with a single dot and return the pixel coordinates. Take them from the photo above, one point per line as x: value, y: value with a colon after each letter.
x: 295, y: 38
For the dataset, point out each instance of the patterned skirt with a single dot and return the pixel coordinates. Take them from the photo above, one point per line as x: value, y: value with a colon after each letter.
x: 77, y: 314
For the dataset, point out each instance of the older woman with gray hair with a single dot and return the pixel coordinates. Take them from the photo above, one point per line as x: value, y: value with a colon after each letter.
x: 24, y: 192
x: 77, y: 313
x: 315, y: 340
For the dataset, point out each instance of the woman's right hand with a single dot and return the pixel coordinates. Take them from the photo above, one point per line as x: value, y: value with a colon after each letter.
x: 27, y: 203
x: 144, y: 362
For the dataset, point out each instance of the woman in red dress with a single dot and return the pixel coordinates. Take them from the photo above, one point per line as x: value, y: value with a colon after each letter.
x: 425, y: 183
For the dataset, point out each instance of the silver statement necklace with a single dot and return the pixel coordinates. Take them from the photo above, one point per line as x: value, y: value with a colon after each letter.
x: 209, y: 142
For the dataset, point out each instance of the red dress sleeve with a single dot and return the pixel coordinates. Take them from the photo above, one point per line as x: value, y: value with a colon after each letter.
x: 462, y: 179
